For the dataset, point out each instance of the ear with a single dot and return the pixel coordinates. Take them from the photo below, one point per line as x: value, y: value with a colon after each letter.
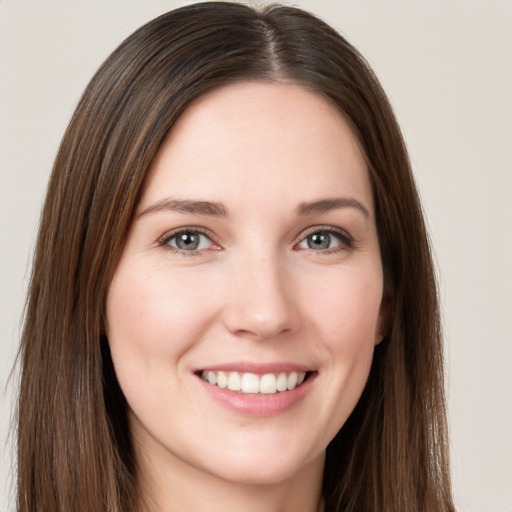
x: 383, y: 322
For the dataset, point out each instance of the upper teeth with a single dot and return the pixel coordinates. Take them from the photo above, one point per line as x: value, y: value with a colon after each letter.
x: 268, y: 383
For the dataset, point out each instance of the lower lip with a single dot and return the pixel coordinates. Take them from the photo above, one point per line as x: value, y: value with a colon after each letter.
x: 258, y: 405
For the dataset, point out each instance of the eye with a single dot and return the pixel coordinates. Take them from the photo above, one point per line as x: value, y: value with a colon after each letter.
x: 188, y: 240
x: 326, y: 239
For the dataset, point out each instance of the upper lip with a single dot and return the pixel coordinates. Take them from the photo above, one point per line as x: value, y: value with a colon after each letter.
x: 257, y: 368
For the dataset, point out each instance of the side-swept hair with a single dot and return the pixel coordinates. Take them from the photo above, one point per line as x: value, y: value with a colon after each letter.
x: 74, y: 447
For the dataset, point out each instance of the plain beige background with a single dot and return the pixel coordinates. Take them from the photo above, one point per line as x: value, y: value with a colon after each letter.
x: 447, y: 67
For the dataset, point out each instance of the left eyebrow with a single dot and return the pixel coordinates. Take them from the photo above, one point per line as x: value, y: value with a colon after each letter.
x: 187, y: 206
x: 325, y: 205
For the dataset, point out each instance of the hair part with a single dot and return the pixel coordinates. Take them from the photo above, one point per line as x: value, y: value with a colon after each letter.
x: 74, y: 446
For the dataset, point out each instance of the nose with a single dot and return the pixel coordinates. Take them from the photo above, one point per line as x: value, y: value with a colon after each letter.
x: 261, y: 302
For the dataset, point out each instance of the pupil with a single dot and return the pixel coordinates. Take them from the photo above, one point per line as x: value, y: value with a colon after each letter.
x: 319, y: 241
x: 187, y: 241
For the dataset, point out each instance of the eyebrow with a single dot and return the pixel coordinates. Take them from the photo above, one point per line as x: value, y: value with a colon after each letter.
x: 187, y: 206
x: 219, y: 210
x: 325, y: 205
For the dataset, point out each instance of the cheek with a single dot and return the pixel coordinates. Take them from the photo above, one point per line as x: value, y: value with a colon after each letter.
x: 347, y: 311
x: 150, y: 314
x: 343, y: 317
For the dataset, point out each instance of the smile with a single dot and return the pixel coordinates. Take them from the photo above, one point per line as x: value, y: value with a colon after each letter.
x: 251, y: 383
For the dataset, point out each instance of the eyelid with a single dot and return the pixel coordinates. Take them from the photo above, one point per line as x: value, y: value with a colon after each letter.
x: 164, y: 240
x: 346, y: 239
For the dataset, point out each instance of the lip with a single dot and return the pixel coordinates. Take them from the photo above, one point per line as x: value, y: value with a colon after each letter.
x: 257, y: 368
x: 258, y: 405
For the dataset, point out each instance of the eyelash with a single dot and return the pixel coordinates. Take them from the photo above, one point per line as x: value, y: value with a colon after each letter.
x: 346, y: 240
x: 168, y: 237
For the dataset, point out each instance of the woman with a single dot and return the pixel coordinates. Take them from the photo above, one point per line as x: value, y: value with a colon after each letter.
x: 232, y: 302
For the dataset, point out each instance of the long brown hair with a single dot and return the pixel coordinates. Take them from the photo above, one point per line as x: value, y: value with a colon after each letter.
x: 74, y: 447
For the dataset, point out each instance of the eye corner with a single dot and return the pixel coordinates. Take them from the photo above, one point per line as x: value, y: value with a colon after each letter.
x: 194, y: 241
x: 319, y: 239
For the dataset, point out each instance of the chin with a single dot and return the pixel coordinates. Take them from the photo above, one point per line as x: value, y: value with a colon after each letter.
x: 265, y: 468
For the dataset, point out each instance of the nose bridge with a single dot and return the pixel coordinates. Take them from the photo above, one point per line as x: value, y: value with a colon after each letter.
x: 260, y: 300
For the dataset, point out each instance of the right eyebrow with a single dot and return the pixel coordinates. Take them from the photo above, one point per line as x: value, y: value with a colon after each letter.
x: 186, y: 206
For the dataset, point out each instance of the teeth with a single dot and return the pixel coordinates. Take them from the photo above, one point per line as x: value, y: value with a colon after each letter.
x: 292, y: 380
x: 250, y: 383
x: 268, y: 384
x: 282, y: 382
x: 222, y: 380
x: 234, y: 382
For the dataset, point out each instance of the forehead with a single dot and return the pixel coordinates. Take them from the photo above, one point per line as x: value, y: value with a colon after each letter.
x: 259, y: 140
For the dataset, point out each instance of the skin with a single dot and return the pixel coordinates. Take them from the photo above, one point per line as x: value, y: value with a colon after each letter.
x: 255, y: 290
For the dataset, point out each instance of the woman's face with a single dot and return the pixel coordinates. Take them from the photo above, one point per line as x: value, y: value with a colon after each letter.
x: 252, y: 261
